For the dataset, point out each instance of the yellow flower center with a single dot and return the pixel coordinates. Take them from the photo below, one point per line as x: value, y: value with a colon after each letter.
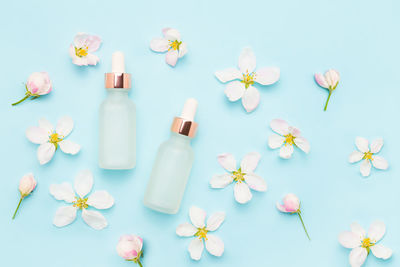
x: 174, y: 45
x: 248, y: 79
x: 81, y: 52
x: 367, y: 244
x: 238, y: 175
x: 201, y: 233
x: 54, y: 138
x: 80, y: 203
x: 289, y: 139
x: 368, y: 155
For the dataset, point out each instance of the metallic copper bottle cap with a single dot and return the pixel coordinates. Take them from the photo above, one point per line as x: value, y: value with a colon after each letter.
x: 118, y: 80
x: 184, y: 127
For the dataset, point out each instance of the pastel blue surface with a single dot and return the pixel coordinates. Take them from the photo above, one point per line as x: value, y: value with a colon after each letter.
x: 359, y: 38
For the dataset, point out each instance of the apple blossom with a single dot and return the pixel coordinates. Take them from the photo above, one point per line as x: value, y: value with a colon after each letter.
x: 80, y: 51
x: 38, y: 84
x: 130, y: 248
x: 26, y: 185
x: 329, y: 80
x: 172, y: 43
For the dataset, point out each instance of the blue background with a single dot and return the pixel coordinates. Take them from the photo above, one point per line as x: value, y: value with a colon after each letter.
x: 359, y: 38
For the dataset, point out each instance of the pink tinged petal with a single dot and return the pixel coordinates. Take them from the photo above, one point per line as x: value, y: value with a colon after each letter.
x: 286, y: 151
x: 94, y: 219
x: 63, y: 191
x: 27, y: 184
x: 171, y: 57
x: 349, y: 240
x: 376, y: 231
x: 126, y: 248
x: 281, y: 207
x: 242, y: 193
x: 250, y: 162
x: 247, y: 60
x: 83, y: 183
x: 358, y: 256
x: 186, y: 230
x: 280, y: 126
x: 91, y: 60
x: 291, y: 203
x: 381, y: 252
x: 358, y: 230
x: 221, y: 181
x: 321, y: 81
x: 64, y: 216
x: 355, y: 156
x: 46, y: 125
x: 302, y: 143
x: 227, y: 161
x: 197, y: 216
x: 376, y: 145
x: 234, y: 90
x: 275, y: 141
x: 182, y: 50
x: 380, y: 163
x: 214, y: 245
x: 36, y: 135
x: 196, y: 248
x: 294, y: 131
x: 251, y: 98
x: 267, y: 76
x: 100, y: 200
x: 64, y: 126
x: 332, y: 78
x: 164, y: 30
x: 365, y: 168
x: 215, y: 221
x: 93, y: 42
x: 172, y: 34
x: 255, y: 182
x: 228, y: 75
x: 159, y: 44
x: 362, y: 144
x: 69, y: 147
x: 45, y: 152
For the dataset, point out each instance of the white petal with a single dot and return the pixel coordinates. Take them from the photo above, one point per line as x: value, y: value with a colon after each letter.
x: 251, y: 98
x: 320, y: 79
x: 381, y: 252
x: 46, y: 125
x: 221, y: 181
x: 215, y: 220
x: 94, y: 219
x: 214, y: 245
x: 286, y: 151
x: 376, y: 145
x: 234, y: 90
x: 362, y: 144
x: 227, y: 161
x: 267, y: 76
x: 195, y: 248
x: 250, y: 162
x: 280, y: 126
x: 302, y: 143
x: 182, y: 50
x: 349, y: 239
x: 379, y: 163
x: 62, y: 191
x: 227, y: 75
x: 294, y: 131
x: 100, y: 200
x: 358, y: 230
x: 357, y: 256
x: 186, y: 229
x: 355, y: 156
x: 159, y: 44
x: 197, y: 216
x: 247, y: 60
x: 376, y: 231
x: 365, y: 168
x: 83, y: 183
x: 171, y: 57
x: 275, y: 141
x: 45, y: 152
x: 242, y: 193
x: 255, y: 182
x: 64, y: 216
x: 69, y: 147
x: 64, y: 126
x: 90, y: 59
x: 172, y: 34
x: 37, y: 135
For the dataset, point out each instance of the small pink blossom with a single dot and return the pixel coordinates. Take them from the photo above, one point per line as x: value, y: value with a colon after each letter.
x: 171, y: 42
x: 130, y: 248
x: 329, y: 80
x: 82, y: 47
x: 38, y: 84
x: 26, y: 185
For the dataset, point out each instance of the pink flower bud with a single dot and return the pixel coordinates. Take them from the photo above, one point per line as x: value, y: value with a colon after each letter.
x: 39, y: 83
x: 27, y: 185
x: 329, y: 80
x: 291, y: 203
x: 130, y: 247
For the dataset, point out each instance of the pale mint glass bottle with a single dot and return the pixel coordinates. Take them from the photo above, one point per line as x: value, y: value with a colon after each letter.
x: 117, y: 120
x: 173, y: 163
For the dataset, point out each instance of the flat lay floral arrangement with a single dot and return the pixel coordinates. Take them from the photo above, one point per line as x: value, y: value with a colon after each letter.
x: 245, y: 82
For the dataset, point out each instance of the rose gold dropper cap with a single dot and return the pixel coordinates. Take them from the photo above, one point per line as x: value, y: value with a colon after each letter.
x: 117, y: 78
x: 185, y: 124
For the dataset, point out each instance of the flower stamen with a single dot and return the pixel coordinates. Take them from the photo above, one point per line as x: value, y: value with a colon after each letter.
x: 81, y: 52
x: 201, y: 233
x: 368, y: 155
x: 367, y: 244
x: 238, y: 175
x: 248, y: 79
x: 80, y: 203
x: 289, y: 139
x: 54, y: 138
x: 174, y: 45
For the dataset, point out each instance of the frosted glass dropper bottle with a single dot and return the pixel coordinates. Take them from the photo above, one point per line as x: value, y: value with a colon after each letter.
x: 117, y: 120
x: 173, y: 163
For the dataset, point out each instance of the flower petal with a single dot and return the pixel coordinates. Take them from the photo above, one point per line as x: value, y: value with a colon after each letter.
x: 362, y: 144
x: 46, y: 125
x: 197, y: 216
x: 250, y: 162
x: 171, y: 34
x: 281, y: 207
x: 64, y: 216
x: 247, y: 60
x: 215, y: 220
x: 358, y: 230
x: 182, y: 50
x: 302, y: 143
x: 349, y: 239
x: 358, y: 256
x: 221, y: 181
x: 255, y: 182
x: 214, y: 245
x: 64, y: 126
x: 355, y: 156
x: 45, y: 152
x: 63, y: 191
x: 37, y: 135
x: 196, y: 248
x: 286, y: 151
x: 251, y: 98
x: 171, y: 57
x: 332, y: 78
x: 376, y: 231
x: 280, y: 126
x: 94, y: 219
x: 242, y: 193
x: 234, y: 90
x: 379, y: 163
x: 227, y: 161
x: 321, y: 81
x: 275, y: 141
x: 267, y: 76
x: 159, y: 44
x: 186, y: 229
x: 376, y: 145
x: 100, y: 200
x: 69, y: 147
x: 227, y: 75
x: 83, y: 183
x: 365, y: 168
x: 381, y: 252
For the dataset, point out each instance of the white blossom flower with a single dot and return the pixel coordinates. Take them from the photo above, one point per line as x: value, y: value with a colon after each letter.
x: 368, y: 155
x: 83, y: 185
x: 286, y: 138
x: 361, y: 244
x: 200, y: 230
x: 241, y: 81
x: 244, y: 177
x: 80, y: 51
x: 49, y: 139
x: 172, y: 43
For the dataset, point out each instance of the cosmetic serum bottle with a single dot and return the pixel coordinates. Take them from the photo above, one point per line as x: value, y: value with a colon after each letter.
x: 117, y: 120
x: 173, y: 163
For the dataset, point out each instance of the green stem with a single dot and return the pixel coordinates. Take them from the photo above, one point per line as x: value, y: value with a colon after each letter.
x: 301, y: 219
x: 140, y: 264
x: 329, y: 96
x: 22, y: 100
x: 19, y: 203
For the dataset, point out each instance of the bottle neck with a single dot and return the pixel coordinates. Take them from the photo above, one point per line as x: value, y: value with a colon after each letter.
x: 117, y: 92
x: 179, y: 138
